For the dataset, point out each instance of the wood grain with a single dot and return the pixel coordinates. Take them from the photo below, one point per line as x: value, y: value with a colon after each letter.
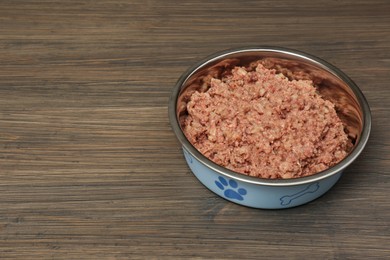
x: 90, y: 168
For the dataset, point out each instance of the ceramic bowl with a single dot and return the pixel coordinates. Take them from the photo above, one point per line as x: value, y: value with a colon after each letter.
x: 331, y: 82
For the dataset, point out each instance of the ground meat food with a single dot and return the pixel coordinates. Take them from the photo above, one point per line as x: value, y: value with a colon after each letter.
x: 257, y: 122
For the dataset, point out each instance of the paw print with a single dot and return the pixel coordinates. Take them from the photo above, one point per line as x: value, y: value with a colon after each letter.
x: 231, y: 193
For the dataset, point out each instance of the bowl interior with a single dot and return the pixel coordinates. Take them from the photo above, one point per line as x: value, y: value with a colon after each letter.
x: 330, y: 82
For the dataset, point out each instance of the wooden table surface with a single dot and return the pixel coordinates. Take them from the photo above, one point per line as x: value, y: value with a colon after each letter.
x: 89, y: 165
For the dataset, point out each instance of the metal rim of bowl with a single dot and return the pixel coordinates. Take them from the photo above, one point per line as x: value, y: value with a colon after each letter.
x: 261, y: 181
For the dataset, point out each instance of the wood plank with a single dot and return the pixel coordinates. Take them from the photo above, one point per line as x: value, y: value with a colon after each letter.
x: 90, y: 168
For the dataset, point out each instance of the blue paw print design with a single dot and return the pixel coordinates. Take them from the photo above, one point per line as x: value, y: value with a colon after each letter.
x: 233, y: 192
